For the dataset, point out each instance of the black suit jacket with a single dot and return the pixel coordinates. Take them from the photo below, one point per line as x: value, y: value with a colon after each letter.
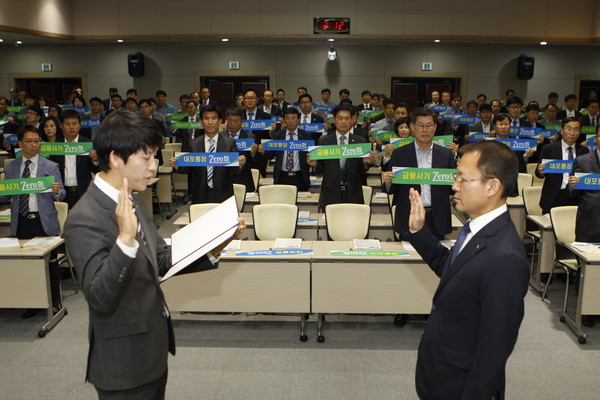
x: 243, y: 175
x: 283, y: 106
x: 356, y: 175
x: 476, y: 313
x: 85, y: 168
x: 562, y: 114
x: 280, y: 159
x: 552, y: 182
x: 222, y: 176
x: 526, y: 124
x: 586, y: 120
x: 314, y: 119
x: 275, y: 110
x: 441, y: 214
x: 183, y: 135
x: 587, y: 227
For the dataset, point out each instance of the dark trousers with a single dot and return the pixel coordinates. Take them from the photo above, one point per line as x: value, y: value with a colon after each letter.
x: 29, y: 227
x: 154, y: 390
x: 294, y: 180
x: 72, y: 196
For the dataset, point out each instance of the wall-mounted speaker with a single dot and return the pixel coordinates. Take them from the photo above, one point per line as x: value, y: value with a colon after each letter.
x: 135, y: 64
x: 525, y: 66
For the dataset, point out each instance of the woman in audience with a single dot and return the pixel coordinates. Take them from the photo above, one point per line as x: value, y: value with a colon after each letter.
x: 79, y: 101
x: 401, y: 128
x: 51, y: 131
x: 239, y: 100
x: 54, y: 111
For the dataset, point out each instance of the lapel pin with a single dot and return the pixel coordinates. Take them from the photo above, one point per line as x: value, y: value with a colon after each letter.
x: 477, y: 246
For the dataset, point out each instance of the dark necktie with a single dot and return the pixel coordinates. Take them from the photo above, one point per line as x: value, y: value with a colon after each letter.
x: 343, y: 168
x: 289, y: 158
x: 209, y: 170
x: 593, y: 121
x: 570, y: 153
x: 305, y: 119
x: 514, y: 123
x: 24, y: 198
x: 462, y: 235
x: 251, y: 115
x: 192, y: 130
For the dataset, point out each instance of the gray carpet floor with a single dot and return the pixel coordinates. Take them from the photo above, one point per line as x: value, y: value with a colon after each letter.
x: 260, y: 357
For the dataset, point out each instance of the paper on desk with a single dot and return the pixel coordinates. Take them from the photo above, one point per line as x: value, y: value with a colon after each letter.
x: 5, y: 215
x: 281, y: 243
x: 234, y: 245
x: 303, y: 195
x: 381, y: 195
x: 366, y: 244
x: 42, y: 241
x: 407, y: 246
x: 202, y: 235
x: 303, y: 214
x: 8, y: 242
x: 585, y: 247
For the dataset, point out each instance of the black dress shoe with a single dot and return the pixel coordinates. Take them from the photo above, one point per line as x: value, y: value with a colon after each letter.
x: 587, y: 321
x: 29, y: 313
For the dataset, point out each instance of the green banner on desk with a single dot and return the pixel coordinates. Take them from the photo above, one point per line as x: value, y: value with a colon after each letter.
x: 26, y: 185
x: 370, y: 253
x: 290, y: 252
x: 355, y: 150
x: 187, y: 125
x: 423, y: 176
x: 62, y: 149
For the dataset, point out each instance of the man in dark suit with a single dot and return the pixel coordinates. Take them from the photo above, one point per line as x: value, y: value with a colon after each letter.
x: 366, y: 101
x: 119, y: 256
x: 307, y: 116
x: 555, y: 192
x: 587, y: 228
x: 291, y: 167
x: 593, y: 117
x: 76, y: 171
x: 210, y: 184
x: 205, y: 98
x: 422, y: 153
x: 281, y: 103
x: 268, y: 106
x: 34, y: 214
x: 255, y: 156
x: 478, y: 306
x: 251, y: 112
x: 485, y: 125
x: 532, y: 115
x: 343, y: 178
x: 570, y: 109
x: 108, y: 101
x: 8, y: 120
x: 185, y: 136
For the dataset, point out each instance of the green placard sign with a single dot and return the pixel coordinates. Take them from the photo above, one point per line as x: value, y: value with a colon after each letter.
x: 399, y: 142
x: 370, y: 253
x: 26, y: 185
x: 423, y: 176
x: 588, y: 129
x: 385, y: 136
x: 554, y: 127
x: 15, y: 109
x: 443, y: 140
x: 176, y: 117
x: 187, y: 125
x: 333, y: 152
x: 62, y: 149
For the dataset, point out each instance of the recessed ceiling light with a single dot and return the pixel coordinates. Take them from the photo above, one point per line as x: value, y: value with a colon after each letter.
x: 331, y: 40
x: 119, y: 40
x: 224, y: 40
x: 437, y: 41
x: 543, y: 43
x: 19, y: 42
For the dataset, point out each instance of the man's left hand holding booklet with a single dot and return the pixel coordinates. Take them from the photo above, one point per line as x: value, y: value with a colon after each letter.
x: 211, y: 232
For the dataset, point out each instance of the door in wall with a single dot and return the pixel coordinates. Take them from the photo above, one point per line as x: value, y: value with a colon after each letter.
x: 588, y: 89
x: 416, y: 92
x: 224, y: 89
x: 55, y: 90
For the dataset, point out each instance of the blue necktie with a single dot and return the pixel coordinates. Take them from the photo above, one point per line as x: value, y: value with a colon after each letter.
x: 570, y: 151
x: 462, y: 235
x: 209, y: 170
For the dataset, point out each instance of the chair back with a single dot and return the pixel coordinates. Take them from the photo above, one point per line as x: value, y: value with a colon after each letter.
x: 278, y: 194
x: 166, y: 155
x: 174, y: 147
x: 524, y: 180
x: 239, y: 191
x: 367, y: 194
x: 198, y: 210
x: 347, y: 221
x: 272, y: 221
x: 531, y: 199
x: 563, y: 223
x: 531, y: 171
x: 255, y: 178
x: 62, y: 209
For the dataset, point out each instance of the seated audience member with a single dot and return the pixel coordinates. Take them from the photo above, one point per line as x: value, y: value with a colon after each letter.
x: 387, y: 123
x: 34, y: 214
x: 532, y: 115
x: 553, y: 99
x: 79, y: 101
x: 117, y: 102
x: 422, y: 153
x: 95, y: 113
x: 593, y: 113
x: 9, y: 122
x: 268, y: 106
x: 514, y: 106
x: 131, y: 104
x: 291, y: 167
x: 51, y: 131
x: 366, y: 101
x: 496, y: 107
x: 551, y: 111
x: 131, y: 93
x: 34, y: 116
x: 555, y: 192
x: 502, y: 130
x: 481, y: 99
x: 307, y: 116
x: 570, y: 109
x: 205, y: 98
x: 325, y: 101
x: 485, y: 125
x: 254, y: 157
x: 299, y: 92
x: 163, y: 107
x: 587, y: 228
x: 435, y: 99
x: 210, y: 184
x: 344, y: 94
x: 75, y: 171
x: 183, y: 99
x: 343, y: 178
x: 107, y: 102
x: 281, y: 103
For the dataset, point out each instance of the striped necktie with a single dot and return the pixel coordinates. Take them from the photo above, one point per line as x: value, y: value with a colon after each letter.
x: 210, y: 170
x: 24, y: 198
x: 342, y: 163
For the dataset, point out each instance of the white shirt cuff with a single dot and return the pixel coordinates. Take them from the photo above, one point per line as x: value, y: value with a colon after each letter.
x: 130, y: 252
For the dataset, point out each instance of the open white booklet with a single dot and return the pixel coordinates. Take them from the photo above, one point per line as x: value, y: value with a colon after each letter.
x: 202, y: 235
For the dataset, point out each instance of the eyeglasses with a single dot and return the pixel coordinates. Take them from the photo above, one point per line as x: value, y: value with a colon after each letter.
x: 30, y: 141
x: 572, y: 129
x: 424, y: 126
x: 504, y: 124
x: 460, y: 181
x: 250, y: 98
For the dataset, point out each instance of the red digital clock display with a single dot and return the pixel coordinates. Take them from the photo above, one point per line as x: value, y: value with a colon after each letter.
x: 332, y: 25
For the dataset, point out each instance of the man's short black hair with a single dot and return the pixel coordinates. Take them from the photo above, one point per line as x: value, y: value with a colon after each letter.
x: 500, y: 117
x: 481, y: 95
x: 344, y: 107
x: 38, y: 110
x: 96, y: 99
x: 250, y: 90
x: 160, y: 92
x: 471, y: 103
x: 132, y: 90
x: 551, y: 105
x: 302, y: 88
x: 280, y: 90
x: 325, y: 90
x: 508, y: 91
x: 553, y: 95
x: 455, y: 95
x: 304, y: 96
x: 144, y: 101
x: 565, y: 121
x: 532, y: 107
x: 152, y: 101
x: 29, y: 95
x: 593, y: 100
x: 26, y: 128
x: 514, y: 100
x: 184, y: 96
x: 291, y: 110
x: 386, y: 102
x: 113, y: 90
x: 125, y: 133
x: 365, y: 92
x: 423, y: 112
x: 116, y: 96
x: 570, y: 97
x: 235, y: 111
x: 344, y: 91
x: 211, y: 108
x: 69, y: 114
x: 346, y: 101
x: 485, y: 107
x: 131, y: 100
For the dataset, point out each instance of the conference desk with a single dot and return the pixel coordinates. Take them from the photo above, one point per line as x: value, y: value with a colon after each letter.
x: 250, y: 283
x: 545, y: 249
x: 588, y: 297
x: 369, y: 284
x: 25, y: 281
x: 316, y: 181
x: 379, y: 205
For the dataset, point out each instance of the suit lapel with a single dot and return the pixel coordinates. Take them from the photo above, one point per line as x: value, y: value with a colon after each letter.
x: 148, y: 238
